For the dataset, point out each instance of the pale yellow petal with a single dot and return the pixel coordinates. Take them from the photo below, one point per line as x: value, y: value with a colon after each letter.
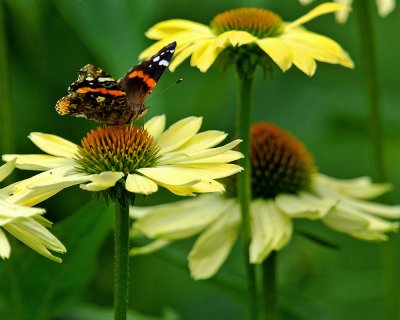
x: 37, y: 237
x: 205, y: 55
x: 202, y: 140
x: 234, y: 38
x: 182, y: 55
x: 155, y: 126
x: 5, y: 248
x: 197, y: 156
x: 271, y: 230
x: 180, y: 219
x: 345, y: 221
x: 172, y: 27
x: 177, y: 134
x: 302, y: 58
x: 385, y: 7
x: 278, y: 51
x: 208, y: 186
x: 208, y: 171
x: 54, y: 145
x: 138, y: 184
x: 102, y: 181
x: 149, y: 248
x: 7, y: 168
x: 10, y: 211
x: 382, y: 210
x: 342, y: 15
x: 169, y: 175
x: 39, y: 162
x: 319, y: 47
x: 316, y: 12
x: 304, y: 205
x: 214, y: 245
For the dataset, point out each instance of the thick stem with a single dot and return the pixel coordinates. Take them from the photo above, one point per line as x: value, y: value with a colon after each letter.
x: 270, y: 288
x: 244, y: 111
x: 372, y: 87
x: 121, y: 261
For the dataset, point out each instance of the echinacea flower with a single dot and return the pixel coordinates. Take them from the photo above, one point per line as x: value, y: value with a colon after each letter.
x: 26, y: 224
x: 254, y: 33
x: 127, y: 160
x: 384, y: 8
x: 285, y: 186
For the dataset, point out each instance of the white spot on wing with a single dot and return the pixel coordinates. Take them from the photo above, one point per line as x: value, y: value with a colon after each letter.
x: 89, y: 79
x: 163, y: 63
x: 156, y: 59
x: 105, y: 79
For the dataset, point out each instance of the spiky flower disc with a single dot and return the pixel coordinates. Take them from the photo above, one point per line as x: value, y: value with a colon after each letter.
x: 280, y: 163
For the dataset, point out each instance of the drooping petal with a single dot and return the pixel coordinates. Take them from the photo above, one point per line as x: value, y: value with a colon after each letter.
x: 155, y: 126
x: 301, y: 58
x: 234, y: 38
x: 319, y: 47
x: 7, y: 168
x: 271, y: 230
x: 278, y: 51
x: 316, y: 12
x: 37, y: 237
x: 5, y: 248
x: 304, y: 205
x: 180, y: 219
x: 347, y: 221
x: 170, y: 28
x: 385, y: 7
x: 361, y: 188
x: 138, y: 184
x: 182, y: 55
x: 179, y: 133
x: 208, y: 171
x: 54, y: 145
x: 39, y: 162
x: 205, y: 55
x: 149, y: 248
x: 385, y: 211
x: 214, y: 245
x: 102, y: 181
x: 10, y: 211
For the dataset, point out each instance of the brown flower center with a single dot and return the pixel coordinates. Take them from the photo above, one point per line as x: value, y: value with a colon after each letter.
x: 117, y: 148
x: 259, y: 22
x: 280, y: 162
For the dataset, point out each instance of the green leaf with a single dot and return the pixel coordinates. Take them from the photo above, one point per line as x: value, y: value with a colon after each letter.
x: 36, y: 287
x: 89, y: 312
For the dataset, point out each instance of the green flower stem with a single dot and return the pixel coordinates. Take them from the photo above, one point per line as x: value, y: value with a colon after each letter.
x: 5, y: 96
x: 372, y: 86
x: 269, y: 287
x: 244, y: 109
x: 121, y: 261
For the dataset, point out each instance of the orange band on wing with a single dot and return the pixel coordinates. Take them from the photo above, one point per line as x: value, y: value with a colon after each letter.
x: 101, y: 90
x: 149, y: 81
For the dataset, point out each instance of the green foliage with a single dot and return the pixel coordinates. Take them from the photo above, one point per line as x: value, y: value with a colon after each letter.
x: 36, y: 287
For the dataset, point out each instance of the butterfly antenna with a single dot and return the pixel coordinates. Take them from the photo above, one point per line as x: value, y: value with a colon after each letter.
x: 164, y: 90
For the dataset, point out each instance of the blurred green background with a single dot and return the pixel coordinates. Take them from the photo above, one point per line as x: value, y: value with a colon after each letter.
x: 44, y: 43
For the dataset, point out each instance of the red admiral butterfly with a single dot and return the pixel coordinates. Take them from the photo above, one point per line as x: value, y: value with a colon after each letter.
x: 97, y: 96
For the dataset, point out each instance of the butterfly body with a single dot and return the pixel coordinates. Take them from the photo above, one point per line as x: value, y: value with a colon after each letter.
x: 98, y: 96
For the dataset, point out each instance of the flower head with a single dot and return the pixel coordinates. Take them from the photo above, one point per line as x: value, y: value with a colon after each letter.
x: 122, y: 161
x: 26, y: 224
x: 250, y: 34
x: 286, y: 186
x: 384, y: 8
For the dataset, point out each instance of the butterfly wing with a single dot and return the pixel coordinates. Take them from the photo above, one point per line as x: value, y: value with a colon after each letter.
x: 96, y: 96
x: 142, y: 78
